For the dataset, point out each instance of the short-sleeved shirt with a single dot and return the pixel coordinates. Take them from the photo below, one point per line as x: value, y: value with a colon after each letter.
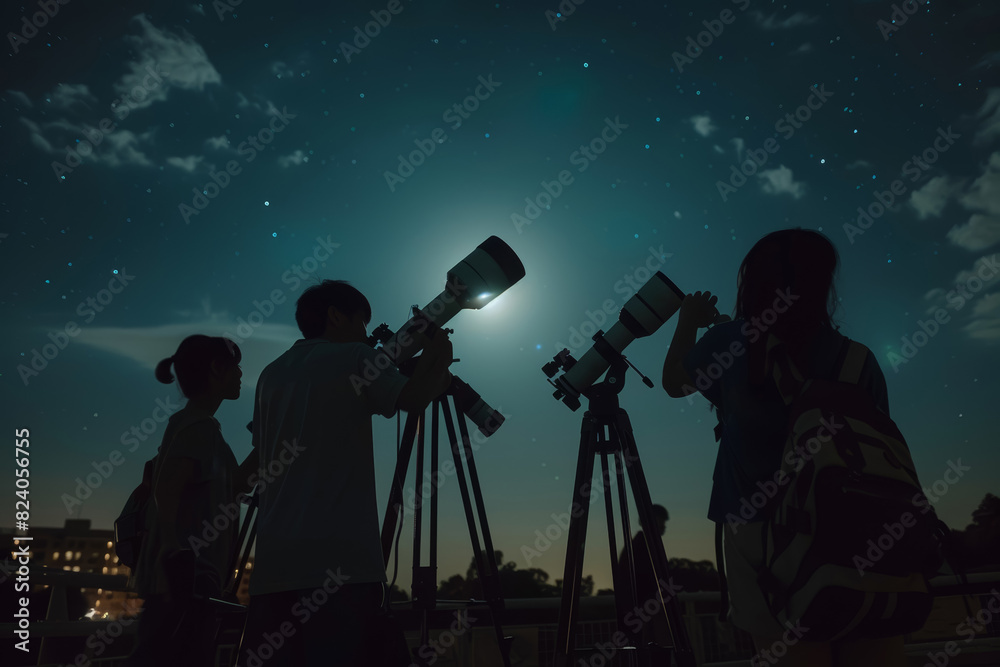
x: 194, y: 435
x: 755, y: 420
x: 312, y: 429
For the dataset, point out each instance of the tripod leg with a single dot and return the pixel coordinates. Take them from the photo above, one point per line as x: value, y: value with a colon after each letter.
x: 491, y: 578
x: 485, y: 563
x: 666, y: 589
x: 575, y: 544
x: 394, y: 508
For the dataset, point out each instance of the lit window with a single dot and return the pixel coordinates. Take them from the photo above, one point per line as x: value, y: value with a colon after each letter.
x: 76, y: 568
x: 109, y: 545
x: 67, y: 568
x: 55, y: 555
x: 114, y: 570
x: 107, y: 557
x: 79, y: 555
x: 98, y: 604
x: 100, y: 590
x: 68, y: 555
x: 104, y: 570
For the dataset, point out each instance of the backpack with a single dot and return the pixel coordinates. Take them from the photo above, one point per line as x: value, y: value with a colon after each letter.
x: 131, y: 525
x: 846, y: 546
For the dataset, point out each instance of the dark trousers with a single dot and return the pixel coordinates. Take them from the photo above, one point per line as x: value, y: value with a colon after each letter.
x: 310, y: 627
x: 175, y: 633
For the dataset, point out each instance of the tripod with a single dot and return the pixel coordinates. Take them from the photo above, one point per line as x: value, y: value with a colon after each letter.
x: 604, y: 413
x: 424, y: 587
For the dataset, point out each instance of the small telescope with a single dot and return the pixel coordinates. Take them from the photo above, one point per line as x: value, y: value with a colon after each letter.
x: 654, y: 303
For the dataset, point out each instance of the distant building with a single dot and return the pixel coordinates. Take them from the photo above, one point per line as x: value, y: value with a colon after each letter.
x: 77, y: 548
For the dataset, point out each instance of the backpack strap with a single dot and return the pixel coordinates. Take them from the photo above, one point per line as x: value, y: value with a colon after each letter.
x: 787, y: 378
x: 851, y: 361
x: 720, y: 559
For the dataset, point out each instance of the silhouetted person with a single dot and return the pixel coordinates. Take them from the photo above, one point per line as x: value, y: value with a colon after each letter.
x: 656, y: 630
x: 318, y: 526
x: 785, y: 286
x: 180, y: 566
x: 980, y: 541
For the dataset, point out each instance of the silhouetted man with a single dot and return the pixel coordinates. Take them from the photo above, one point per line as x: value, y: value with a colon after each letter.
x: 318, y: 581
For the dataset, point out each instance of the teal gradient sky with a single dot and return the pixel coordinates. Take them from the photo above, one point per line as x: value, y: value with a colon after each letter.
x: 654, y: 192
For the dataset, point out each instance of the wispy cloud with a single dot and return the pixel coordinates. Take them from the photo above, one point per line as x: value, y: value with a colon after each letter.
x: 780, y: 181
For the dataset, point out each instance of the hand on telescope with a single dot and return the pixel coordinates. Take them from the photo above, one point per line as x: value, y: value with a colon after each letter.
x: 440, y: 346
x: 699, y: 309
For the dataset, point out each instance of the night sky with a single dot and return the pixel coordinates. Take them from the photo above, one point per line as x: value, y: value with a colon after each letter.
x: 244, y: 152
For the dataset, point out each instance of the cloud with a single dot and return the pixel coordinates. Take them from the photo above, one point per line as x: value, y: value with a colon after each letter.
x: 68, y: 95
x: 281, y: 70
x: 296, y: 158
x: 975, y: 282
x: 794, y: 21
x: 146, y: 346
x: 702, y: 125
x: 979, y: 233
x: 982, y: 230
x: 20, y: 98
x: 859, y: 164
x: 37, y: 137
x: 805, y: 47
x: 780, y: 181
x: 739, y: 145
x: 989, y: 115
x: 189, y: 163
x: 180, y: 58
x: 931, y: 199
x: 218, y: 143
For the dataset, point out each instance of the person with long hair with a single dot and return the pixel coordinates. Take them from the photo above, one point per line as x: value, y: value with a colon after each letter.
x: 181, y: 564
x: 785, y: 287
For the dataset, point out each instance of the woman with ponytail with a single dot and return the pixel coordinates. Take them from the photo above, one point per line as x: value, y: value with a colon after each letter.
x: 785, y: 287
x: 183, y: 562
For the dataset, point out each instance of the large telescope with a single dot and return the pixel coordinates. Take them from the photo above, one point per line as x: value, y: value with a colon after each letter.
x: 472, y: 283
